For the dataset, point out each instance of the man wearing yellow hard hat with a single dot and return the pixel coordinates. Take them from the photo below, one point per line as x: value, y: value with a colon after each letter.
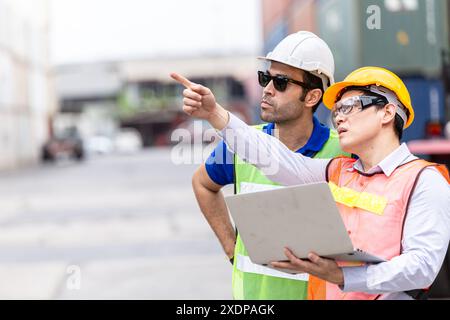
x: 393, y: 204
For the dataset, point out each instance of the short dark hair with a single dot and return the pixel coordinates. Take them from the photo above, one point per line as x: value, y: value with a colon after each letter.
x: 399, y: 124
x: 314, y: 82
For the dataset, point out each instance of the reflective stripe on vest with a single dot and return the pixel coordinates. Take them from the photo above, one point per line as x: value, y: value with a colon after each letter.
x: 249, y: 280
x: 247, y: 187
x: 376, y: 227
x: 362, y: 200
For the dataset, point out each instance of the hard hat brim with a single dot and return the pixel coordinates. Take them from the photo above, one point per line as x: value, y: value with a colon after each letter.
x: 322, y: 76
x: 275, y: 60
x: 330, y: 97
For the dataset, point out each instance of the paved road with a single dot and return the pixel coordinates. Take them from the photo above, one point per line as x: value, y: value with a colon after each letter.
x: 114, y: 227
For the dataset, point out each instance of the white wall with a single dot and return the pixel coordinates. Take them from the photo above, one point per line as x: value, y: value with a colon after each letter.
x: 26, y: 90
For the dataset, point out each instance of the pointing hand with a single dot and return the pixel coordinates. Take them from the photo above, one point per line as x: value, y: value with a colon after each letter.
x: 199, y: 102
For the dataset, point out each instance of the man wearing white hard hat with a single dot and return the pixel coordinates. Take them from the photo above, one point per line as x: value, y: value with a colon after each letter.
x: 301, y: 69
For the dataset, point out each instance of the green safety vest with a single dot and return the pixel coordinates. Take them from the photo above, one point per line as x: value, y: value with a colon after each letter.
x: 255, y: 282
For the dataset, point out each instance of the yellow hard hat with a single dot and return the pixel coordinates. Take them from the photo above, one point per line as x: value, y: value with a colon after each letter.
x: 372, y: 76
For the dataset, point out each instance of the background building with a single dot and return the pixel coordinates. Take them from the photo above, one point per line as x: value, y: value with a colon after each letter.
x: 99, y: 99
x: 26, y: 93
x: 88, y: 96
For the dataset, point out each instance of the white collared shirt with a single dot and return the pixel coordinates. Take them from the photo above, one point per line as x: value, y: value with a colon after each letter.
x: 426, y: 233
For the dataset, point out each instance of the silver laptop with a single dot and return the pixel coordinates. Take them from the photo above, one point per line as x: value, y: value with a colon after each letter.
x: 303, y: 218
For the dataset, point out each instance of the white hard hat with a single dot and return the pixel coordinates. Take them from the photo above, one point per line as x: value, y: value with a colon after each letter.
x: 306, y: 51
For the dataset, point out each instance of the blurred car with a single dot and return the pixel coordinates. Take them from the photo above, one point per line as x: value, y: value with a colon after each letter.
x: 128, y: 141
x: 65, y: 145
x: 99, y: 145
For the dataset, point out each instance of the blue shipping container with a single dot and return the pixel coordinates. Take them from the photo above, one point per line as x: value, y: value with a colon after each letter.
x: 278, y: 33
x: 429, y: 105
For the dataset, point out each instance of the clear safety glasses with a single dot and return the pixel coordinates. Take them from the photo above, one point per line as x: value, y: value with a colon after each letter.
x: 353, y: 105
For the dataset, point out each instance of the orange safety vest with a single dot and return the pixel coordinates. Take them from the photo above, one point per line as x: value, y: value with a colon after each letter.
x: 373, y: 208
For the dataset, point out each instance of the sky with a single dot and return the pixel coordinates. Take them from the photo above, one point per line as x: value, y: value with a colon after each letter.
x: 101, y: 30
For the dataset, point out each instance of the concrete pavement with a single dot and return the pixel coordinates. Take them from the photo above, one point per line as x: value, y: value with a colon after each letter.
x: 113, y: 227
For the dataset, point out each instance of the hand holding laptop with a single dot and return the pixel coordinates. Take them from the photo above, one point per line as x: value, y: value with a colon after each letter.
x: 303, y: 218
x: 325, y: 269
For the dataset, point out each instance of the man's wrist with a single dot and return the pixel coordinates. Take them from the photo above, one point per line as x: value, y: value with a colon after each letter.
x: 219, y: 118
x: 230, y: 253
x: 340, y: 278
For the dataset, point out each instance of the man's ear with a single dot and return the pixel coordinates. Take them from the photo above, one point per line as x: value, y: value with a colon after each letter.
x: 390, y: 111
x: 313, y: 97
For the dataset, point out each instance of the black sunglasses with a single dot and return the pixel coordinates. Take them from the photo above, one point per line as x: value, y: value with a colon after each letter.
x: 279, y: 82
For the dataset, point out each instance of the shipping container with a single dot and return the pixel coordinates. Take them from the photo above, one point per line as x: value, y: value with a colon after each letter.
x: 406, y: 37
x: 281, y: 18
x: 273, y: 13
x: 302, y: 16
x: 338, y: 26
x: 279, y: 31
x: 429, y: 105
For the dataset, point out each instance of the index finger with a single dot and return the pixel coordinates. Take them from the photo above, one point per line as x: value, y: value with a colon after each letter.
x: 182, y: 80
